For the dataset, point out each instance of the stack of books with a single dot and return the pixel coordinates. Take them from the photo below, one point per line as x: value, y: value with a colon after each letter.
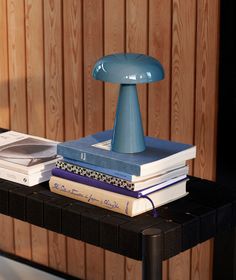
x: 129, y: 184
x: 26, y: 159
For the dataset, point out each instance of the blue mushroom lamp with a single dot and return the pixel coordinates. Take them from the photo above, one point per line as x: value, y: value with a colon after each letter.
x: 128, y: 69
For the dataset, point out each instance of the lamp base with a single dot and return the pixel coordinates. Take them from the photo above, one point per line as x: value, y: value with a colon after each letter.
x: 128, y: 134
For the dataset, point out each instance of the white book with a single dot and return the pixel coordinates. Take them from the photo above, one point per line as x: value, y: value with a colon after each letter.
x: 25, y: 179
x: 26, y: 153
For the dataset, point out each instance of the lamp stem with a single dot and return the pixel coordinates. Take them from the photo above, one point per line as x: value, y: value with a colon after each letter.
x: 128, y: 134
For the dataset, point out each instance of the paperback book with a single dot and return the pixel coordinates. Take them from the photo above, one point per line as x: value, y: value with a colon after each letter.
x: 123, y: 204
x: 96, y: 150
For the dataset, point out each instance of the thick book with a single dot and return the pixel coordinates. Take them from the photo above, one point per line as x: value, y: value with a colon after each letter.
x: 96, y: 149
x: 105, y: 186
x: 25, y: 179
x: 113, y: 201
x: 120, y: 174
x: 119, y: 182
x: 26, y: 153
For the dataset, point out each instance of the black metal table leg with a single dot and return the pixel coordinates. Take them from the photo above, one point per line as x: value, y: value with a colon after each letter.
x: 224, y: 262
x: 152, y: 254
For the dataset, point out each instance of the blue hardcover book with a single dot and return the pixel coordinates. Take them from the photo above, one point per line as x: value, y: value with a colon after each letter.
x: 96, y: 149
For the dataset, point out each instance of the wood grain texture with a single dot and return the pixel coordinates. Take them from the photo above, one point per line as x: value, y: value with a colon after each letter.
x: 93, y: 50
x: 7, y: 234
x: 183, y: 70
x: 133, y: 269
x: 22, y: 237
x: 182, y: 96
x: 206, y: 87
x: 179, y: 266
x: 136, y: 42
x: 53, y: 69
x: 202, y: 254
x: 57, y: 251
x: 114, y: 266
x: 160, y: 48
x: 75, y: 257
x: 17, y: 68
x: 4, y: 81
x: 114, y: 42
x: 165, y: 270
x: 35, y: 66
x: 94, y: 263
x: 73, y: 70
x: 39, y: 245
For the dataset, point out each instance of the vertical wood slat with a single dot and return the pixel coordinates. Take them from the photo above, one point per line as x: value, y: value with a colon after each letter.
x: 160, y: 48
x: 201, y: 265
x: 57, y: 251
x: 133, y: 269
x: 114, y: 266
x: 136, y: 42
x: 114, y: 42
x: 207, y: 54
x: 73, y: 73
x: 183, y: 71
x: 36, y: 106
x: 54, y: 106
x: 206, y: 88
x: 53, y: 69
x: 94, y: 262
x: 93, y: 50
x: 35, y: 66
x: 182, y: 97
x: 179, y: 266
x: 7, y: 234
x: 22, y: 237
x: 17, y: 69
x: 75, y: 258
x: 39, y: 245
x: 4, y: 81
x: 18, y: 101
x: 93, y: 104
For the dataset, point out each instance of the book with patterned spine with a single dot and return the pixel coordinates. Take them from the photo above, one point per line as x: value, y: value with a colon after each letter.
x: 119, y: 182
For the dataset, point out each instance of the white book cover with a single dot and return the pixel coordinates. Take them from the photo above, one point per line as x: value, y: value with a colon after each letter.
x: 26, y: 153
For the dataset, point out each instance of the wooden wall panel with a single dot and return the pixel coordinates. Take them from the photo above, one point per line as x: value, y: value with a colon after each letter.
x: 22, y: 239
x: 35, y: 66
x: 57, y: 251
x: 114, y: 42
x: 17, y: 68
x: 137, y: 42
x: 7, y: 243
x: 4, y: 80
x: 160, y: 47
x: 114, y: 266
x: 93, y: 50
x: 73, y: 70
x: 53, y: 69
x: 47, y: 53
x: 182, y: 96
x: 206, y: 88
x: 75, y: 258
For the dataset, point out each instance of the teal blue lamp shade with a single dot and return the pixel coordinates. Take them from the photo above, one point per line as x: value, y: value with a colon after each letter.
x: 128, y: 69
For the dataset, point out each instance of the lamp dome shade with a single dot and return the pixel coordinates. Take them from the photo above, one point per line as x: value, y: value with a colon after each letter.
x: 128, y: 68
